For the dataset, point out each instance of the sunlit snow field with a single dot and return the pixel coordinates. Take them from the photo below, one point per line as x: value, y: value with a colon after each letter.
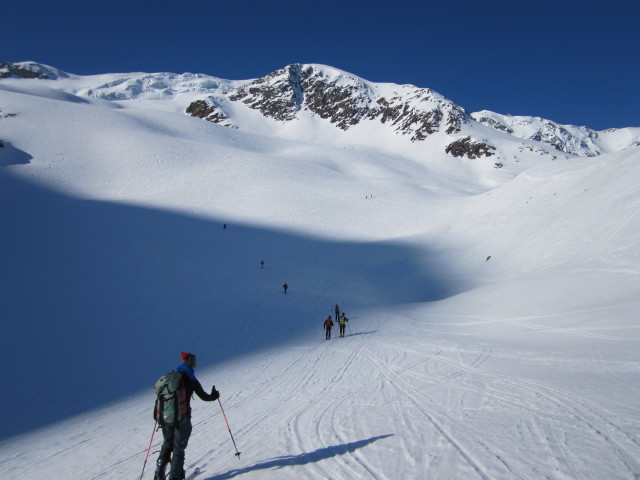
x: 493, y: 328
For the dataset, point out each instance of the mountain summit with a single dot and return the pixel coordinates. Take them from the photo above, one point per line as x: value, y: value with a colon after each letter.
x: 346, y: 100
x: 343, y: 99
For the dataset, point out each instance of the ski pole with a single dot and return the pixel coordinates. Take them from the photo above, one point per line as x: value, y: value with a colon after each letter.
x: 229, y: 428
x: 149, y: 449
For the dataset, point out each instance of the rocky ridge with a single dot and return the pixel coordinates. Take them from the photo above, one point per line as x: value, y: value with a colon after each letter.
x: 340, y: 98
x: 580, y: 141
x: 30, y: 70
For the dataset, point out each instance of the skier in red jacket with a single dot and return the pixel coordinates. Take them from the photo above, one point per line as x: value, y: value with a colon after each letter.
x: 328, y: 323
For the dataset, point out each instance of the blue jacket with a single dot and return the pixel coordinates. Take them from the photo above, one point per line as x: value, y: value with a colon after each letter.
x: 193, y: 385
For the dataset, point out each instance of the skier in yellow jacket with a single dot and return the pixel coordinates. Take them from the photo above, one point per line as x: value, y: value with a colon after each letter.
x: 342, y: 321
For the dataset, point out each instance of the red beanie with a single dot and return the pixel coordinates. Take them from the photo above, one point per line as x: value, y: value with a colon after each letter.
x: 185, y: 356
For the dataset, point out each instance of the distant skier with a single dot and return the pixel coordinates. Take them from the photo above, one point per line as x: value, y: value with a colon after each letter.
x: 342, y: 321
x: 262, y: 264
x: 285, y: 286
x: 337, y: 309
x: 328, y: 323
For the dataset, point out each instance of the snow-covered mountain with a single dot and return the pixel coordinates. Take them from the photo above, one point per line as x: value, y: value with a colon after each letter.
x: 491, y: 281
x: 30, y: 70
x: 346, y: 100
x: 580, y: 141
x: 342, y: 101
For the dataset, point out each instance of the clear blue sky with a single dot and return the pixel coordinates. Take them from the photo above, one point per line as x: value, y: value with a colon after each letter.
x: 574, y: 62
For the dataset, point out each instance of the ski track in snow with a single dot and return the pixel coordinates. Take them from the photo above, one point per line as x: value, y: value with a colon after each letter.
x: 424, y: 395
x: 436, y: 403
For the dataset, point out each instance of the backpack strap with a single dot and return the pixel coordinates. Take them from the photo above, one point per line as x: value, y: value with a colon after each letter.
x: 158, y: 412
x: 176, y: 407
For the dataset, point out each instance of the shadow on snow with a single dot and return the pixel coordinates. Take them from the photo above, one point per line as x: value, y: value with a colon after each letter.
x: 301, y: 459
x: 98, y: 298
x: 10, y: 155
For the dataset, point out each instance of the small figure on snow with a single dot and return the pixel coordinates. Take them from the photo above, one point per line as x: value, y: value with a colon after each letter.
x: 337, y: 310
x: 328, y: 323
x: 285, y: 287
x: 343, y: 323
x: 262, y: 264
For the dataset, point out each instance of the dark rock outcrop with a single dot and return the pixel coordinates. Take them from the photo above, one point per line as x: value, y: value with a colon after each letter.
x: 465, y: 147
x: 20, y: 71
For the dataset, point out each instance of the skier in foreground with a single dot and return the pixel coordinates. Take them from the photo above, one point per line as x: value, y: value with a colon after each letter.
x: 176, y: 435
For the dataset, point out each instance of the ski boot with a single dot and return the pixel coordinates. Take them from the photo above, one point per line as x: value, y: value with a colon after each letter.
x: 180, y: 476
x: 160, y: 475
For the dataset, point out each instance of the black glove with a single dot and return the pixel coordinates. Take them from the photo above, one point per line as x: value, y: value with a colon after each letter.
x: 215, y: 393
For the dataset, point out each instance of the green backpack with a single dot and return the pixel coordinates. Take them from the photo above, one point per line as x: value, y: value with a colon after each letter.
x: 171, y: 401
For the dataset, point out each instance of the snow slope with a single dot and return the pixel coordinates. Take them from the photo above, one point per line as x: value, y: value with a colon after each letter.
x: 493, y: 331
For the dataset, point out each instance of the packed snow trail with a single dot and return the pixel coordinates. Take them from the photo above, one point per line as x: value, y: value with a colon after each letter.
x: 380, y: 404
x: 442, y: 390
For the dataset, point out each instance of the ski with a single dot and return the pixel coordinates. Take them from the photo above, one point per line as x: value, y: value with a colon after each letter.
x: 193, y: 474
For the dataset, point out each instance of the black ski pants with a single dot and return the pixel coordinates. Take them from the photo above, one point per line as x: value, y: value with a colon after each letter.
x: 327, y: 335
x: 174, y: 446
x: 342, y: 325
